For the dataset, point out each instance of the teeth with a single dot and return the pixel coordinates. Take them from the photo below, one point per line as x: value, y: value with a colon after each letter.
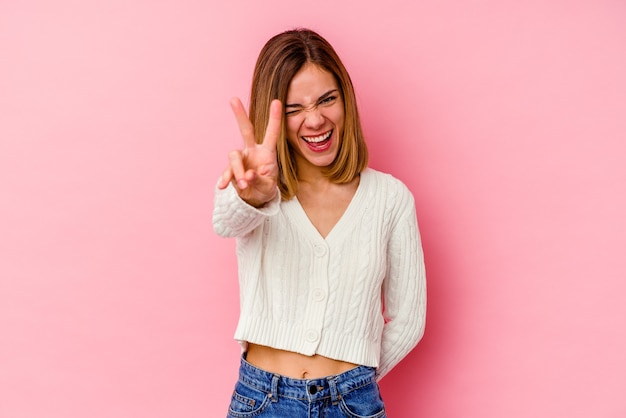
x: 316, y: 139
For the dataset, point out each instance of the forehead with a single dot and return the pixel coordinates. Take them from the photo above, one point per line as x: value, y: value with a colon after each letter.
x: 310, y: 83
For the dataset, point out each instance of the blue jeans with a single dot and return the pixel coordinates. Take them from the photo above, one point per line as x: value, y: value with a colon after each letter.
x: 352, y: 394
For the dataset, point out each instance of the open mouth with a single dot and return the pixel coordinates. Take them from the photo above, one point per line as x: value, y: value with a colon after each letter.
x: 319, y: 143
x: 318, y: 139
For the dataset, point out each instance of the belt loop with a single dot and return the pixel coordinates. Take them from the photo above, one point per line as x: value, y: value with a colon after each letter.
x: 274, y: 394
x: 334, y: 393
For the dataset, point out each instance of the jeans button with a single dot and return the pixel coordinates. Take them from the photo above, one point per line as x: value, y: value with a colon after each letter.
x: 313, y: 390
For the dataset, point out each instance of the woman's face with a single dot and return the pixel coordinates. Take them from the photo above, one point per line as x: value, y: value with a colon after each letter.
x: 314, y: 117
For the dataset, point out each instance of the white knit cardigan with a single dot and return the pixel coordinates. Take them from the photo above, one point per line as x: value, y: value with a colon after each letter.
x: 358, y: 295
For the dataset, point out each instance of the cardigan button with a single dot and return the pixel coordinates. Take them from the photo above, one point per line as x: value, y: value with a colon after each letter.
x: 312, y: 336
x: 318, y: 295
x: 320, y: 250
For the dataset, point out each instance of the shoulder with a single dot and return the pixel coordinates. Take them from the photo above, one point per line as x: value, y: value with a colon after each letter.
x: 386, y: 187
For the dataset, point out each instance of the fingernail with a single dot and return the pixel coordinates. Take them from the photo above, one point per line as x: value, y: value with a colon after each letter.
x: 242, y: 184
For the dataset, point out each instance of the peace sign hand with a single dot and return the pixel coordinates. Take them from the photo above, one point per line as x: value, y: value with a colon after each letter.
x: 254, y: 169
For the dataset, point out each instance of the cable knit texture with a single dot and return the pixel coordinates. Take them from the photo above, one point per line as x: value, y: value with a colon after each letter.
x: 358, y: 295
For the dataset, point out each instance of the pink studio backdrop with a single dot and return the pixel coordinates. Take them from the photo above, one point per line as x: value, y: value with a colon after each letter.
x: 506, y: 119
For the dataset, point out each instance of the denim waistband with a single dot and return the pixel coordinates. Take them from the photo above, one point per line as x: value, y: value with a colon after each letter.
x: 306, y: 389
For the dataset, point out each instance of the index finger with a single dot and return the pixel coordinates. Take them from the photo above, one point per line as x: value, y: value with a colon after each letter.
x: 245, y: 126
x: 272, y: 132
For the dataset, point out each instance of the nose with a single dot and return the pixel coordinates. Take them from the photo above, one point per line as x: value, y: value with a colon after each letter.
x: 313, y: 118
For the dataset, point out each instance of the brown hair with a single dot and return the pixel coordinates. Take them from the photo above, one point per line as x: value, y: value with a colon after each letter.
x: 278, y: 62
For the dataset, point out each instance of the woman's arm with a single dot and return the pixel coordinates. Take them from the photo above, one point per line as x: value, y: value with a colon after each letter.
x: 233, y: 217
x: 247, y: 190
x: 404, y: 290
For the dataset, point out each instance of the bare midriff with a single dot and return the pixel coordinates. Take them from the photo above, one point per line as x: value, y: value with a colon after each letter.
x: 295, y: 365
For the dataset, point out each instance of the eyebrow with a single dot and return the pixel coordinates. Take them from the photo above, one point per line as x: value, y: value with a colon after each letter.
x: 322, y: 97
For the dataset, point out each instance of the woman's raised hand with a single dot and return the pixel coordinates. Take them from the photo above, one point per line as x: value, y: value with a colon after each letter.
x: 253, y: 170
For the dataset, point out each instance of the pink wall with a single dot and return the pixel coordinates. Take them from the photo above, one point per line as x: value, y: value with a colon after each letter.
x: 507, y: 119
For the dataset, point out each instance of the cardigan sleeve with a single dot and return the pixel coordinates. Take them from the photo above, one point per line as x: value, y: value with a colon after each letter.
x: 404, y: 289
x: 233, y: 217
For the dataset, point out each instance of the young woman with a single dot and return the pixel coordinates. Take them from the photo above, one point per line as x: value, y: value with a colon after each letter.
x: 331, y: 271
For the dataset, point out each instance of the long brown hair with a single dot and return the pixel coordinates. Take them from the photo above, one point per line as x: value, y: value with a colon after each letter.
x: 278, y: 62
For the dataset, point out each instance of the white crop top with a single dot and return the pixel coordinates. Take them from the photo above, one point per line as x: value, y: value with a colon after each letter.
x: 358, y: 295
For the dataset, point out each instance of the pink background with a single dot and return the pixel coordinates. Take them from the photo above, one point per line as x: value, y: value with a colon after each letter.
x: 507, y: 120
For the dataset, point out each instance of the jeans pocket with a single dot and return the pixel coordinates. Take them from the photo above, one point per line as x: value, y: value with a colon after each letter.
x: 247, y: 402
x: 363, y: 402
